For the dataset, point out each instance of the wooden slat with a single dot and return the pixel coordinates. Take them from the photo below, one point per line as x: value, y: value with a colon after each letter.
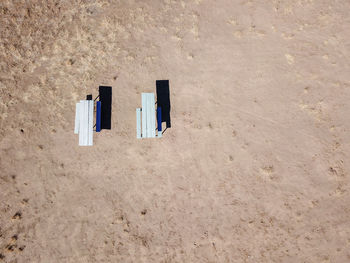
x: 152, y: 116
x: 76, y: 125
x: 138, y: 123
x: 148, y: 115
x: 90, y: 122
x: 86, y: 120
x: 84, y: 123
x: 144, y: 115
x: 81, y: 123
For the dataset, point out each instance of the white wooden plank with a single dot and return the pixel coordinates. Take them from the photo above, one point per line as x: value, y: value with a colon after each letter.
x: 80, y: 116
x: 90, y: 122
x: 148, y: 116
x: 81, y: 123
x: 149, y: 127
x: 152, y: 112
x: 76, y: 125
x: 144, y: 115
x: 86, y: 121
x: 138, y: 123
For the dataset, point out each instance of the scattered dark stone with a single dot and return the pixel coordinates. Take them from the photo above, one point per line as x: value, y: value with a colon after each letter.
x: 21, y: 248
x: 18, y: 215
x: 14, y: 237
x: 90, y: 11
x: 22, y: 131
x: 13, y: 177
x: 25, y: 200
x: 11, y: 247
x: 71, y: 61
x: 5, y: 10
x: 144, y: 211
x: 41, y: 146
x: 2, y: 256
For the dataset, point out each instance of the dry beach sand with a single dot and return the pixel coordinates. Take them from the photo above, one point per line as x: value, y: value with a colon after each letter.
x: 254, y: 169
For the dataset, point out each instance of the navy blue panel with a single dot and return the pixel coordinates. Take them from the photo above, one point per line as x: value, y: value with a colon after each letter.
x: 163, y: 100
x: 98, y: 116
x: 106, y: 106
x: 159, y: 118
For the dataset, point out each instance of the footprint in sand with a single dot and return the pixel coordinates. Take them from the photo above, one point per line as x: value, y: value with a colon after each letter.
x: 290, y: 59
x: 314, y: 203
x: 267, y: 169
x: 232, y: 21
x: 268, y: 172
x: 287, y: 36
x: 337, y: 171
x: 190, y: 56
x: 316, y: 111
x: 340, y: 191
x: 238, y: 34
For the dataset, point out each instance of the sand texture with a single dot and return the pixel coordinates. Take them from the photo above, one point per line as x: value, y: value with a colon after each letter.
x: 254, y: 169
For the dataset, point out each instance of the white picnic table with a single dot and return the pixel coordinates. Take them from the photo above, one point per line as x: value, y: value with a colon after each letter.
x: 146, y: 117
x: 84, y: 111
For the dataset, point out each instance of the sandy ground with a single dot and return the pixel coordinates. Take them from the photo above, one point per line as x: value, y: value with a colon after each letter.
x: 254, y: 169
